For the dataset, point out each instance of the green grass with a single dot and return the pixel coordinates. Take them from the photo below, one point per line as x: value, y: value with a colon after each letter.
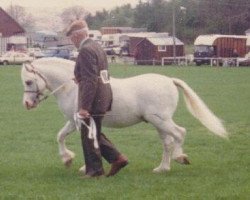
x: 30, y: 167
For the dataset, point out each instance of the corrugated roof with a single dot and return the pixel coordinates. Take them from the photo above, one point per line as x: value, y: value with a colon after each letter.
x: 167, y: 41
x: 147, y: 34
x: 117, y: 27
x: 209, y: 39
x: 95, y: 32
x: 248, y: 40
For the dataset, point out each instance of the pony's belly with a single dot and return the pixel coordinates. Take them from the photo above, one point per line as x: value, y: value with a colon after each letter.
x: 120, y: 121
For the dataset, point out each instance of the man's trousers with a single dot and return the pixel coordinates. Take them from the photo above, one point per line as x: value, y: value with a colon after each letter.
x: 93, y: 156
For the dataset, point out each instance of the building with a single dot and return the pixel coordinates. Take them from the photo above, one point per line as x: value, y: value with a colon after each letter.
x: 44, y: 39
x: 12, y: 35
x: 221, y: 47
x: 247, y: 32
x: 151, y: 50
x: 248, y: 39
x: 114, y: 30
x: 248, y: 43
x: 95, y: 35
x: 133, y: 39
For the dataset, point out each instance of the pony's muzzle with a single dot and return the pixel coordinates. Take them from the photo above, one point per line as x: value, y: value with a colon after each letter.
x: 29, y: 105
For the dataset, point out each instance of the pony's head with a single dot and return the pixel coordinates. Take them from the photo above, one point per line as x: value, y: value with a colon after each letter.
x: 34, y: 85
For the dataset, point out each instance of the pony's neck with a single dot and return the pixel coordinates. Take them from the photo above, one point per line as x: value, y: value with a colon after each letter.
x: 56, y: 76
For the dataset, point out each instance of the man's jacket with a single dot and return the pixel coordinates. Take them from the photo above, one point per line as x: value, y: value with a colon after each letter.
x: 94, y: 94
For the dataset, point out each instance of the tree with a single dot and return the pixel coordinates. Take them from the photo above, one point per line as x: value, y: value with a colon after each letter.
x: 141, y: 14
x: 122, y: 16
x: 200, y: 17
x: 119, y: 16
x: 73, y: 13
x: 18, y: 13
x: 99, y: 20
x: 225, y: 16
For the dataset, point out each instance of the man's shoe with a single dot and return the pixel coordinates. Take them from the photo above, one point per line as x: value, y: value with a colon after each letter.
x: 93, y: 175
x: 86, y: 176
x: 116, y: 166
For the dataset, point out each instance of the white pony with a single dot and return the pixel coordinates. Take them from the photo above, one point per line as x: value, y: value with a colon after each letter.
x: 151, y: 98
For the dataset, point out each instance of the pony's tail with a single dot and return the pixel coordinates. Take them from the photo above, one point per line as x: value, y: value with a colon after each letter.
x: 200, y: 110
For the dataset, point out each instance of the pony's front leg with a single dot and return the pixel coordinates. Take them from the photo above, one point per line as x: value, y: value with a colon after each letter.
x: 66, y: 155
x: 82, y: 170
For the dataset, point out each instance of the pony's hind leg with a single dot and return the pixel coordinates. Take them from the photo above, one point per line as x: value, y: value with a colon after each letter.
x: 167, y: 141
x: 66, y: 155
x: 178, y: 154
x: 166, y: 155
x: 173, y: 137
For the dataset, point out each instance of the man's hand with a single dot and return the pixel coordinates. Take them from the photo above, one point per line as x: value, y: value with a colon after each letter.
x: 84, y: 113
x: 74, y: 79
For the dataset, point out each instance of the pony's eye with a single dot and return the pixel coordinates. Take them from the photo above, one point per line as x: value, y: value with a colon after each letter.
x: 28, y: 83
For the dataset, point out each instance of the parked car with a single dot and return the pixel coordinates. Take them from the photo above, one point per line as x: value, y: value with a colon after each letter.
x: 245, y: 61
x: 13, y: 57
x: 109, y: 50
x: 57, y: 52
x: 35, y: 52
x: 219, y: 47
x: 73, y: 55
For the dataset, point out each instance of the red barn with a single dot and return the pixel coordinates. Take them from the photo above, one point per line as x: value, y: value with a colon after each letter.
x: 135, y: 38
x: 151, y: 50
x: 9, y: 28
x: 248, y: 43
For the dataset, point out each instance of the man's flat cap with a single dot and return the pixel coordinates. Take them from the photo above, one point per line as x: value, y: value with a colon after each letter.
x: 75, y: 26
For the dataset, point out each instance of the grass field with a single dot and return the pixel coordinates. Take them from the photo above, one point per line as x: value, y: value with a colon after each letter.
x: 30, y: 167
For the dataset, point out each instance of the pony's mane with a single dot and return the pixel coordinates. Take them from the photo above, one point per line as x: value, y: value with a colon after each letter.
x: 54, y: 61
x: 58, y: 67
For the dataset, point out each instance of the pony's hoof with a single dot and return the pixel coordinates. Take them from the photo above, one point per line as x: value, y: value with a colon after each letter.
x: 186, y: 161
x: 68, y: 163
x: 82, y: 170
x: 160, y: 170
x: 182, y: 160
x: 68, y: 158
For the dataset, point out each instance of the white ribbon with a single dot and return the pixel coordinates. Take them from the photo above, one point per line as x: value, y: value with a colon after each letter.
x: 91, y: 128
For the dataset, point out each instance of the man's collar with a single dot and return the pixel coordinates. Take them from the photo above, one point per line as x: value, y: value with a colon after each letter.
x: 83, y: 41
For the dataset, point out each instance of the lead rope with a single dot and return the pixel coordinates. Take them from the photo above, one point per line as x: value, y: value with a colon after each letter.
x: 54, y: 91
x: 91, y: 128
x: 44, y: 97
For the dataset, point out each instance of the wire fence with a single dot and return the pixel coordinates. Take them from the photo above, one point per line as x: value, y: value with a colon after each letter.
x: 212, y: 61
x: 179, y: 61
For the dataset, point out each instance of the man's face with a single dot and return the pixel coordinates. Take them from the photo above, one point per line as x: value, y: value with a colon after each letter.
x: 76, y: 38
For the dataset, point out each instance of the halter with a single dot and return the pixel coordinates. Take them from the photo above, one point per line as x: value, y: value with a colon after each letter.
x: 38, y: 92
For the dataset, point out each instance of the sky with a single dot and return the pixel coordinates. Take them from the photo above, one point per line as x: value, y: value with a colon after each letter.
x: 45, y: 12
x: 90, y: 5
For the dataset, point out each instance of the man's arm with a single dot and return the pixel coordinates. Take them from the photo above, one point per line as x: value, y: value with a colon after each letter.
x: 86, y: 74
